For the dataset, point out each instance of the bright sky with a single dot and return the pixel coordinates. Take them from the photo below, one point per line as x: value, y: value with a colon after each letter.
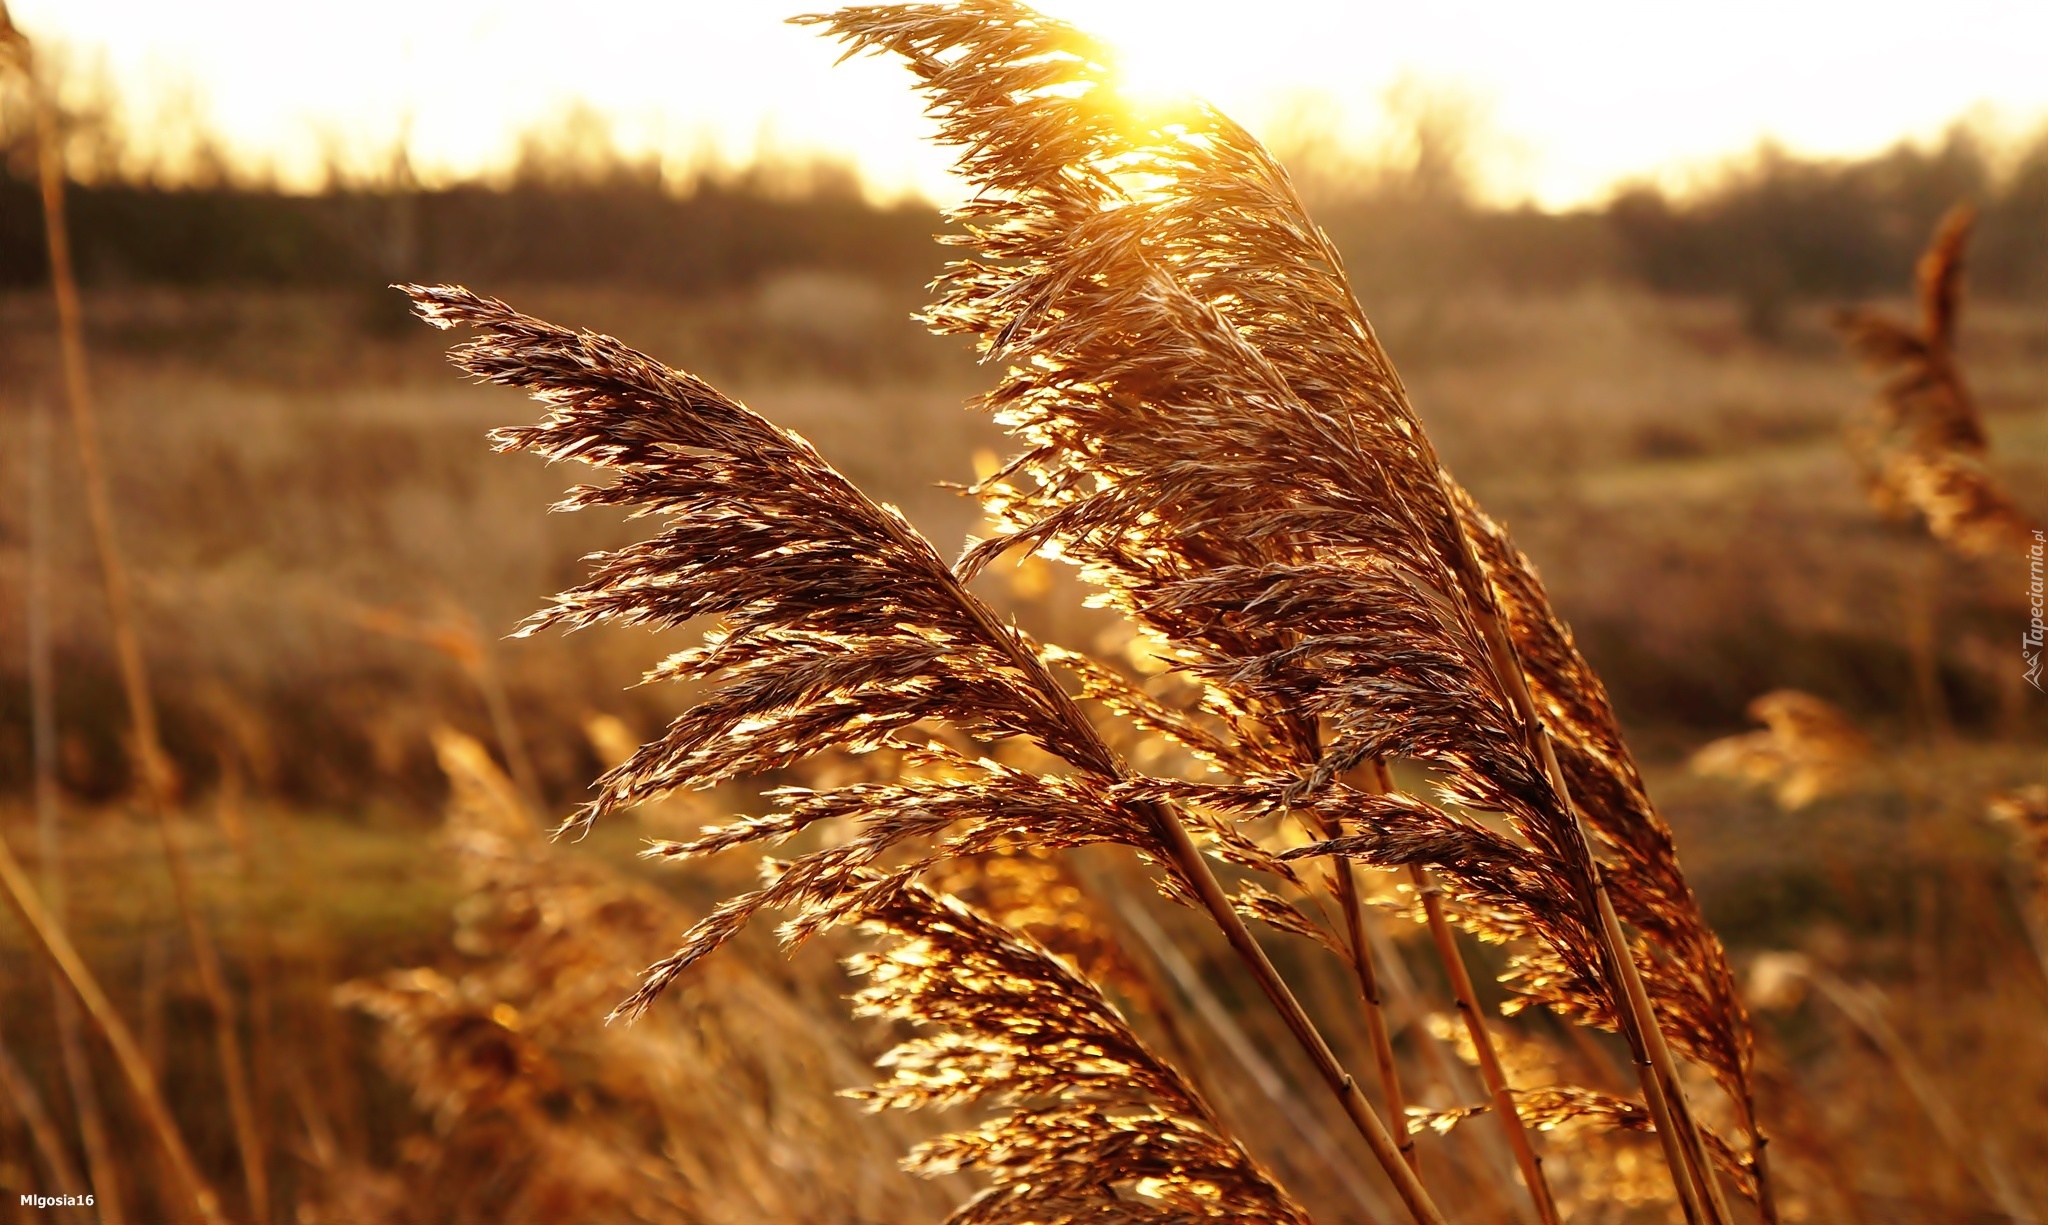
x: 1576, y: 94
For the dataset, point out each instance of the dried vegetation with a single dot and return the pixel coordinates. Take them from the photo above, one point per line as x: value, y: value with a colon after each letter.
x: 1214, y: 436
x: 1132, y: 933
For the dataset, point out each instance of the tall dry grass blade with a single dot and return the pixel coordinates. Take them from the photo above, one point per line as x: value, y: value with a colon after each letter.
x: 1244, y: 1051
x: 92, y: 1127
x: 1215, y: 436
x: 843, y: 628
x: 226, y: 1029
x: 152, y: 764
x: 1863, y: 1005
x: 21, y: 1095
x: 1474, y: 1018
x: 50, y: 939
x: 256, y: 938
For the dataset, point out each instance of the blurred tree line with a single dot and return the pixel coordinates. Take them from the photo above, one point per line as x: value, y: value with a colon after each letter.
x: 625, y: 228
x: 1772, y: 230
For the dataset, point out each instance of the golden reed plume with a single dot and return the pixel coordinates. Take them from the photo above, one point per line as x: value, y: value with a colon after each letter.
x: 1213, y: 434
x: 1216, y: 437
x: 842, y: 628
x: 1927, y: 450
x: 539, y: 1115
x: 1807, y: 749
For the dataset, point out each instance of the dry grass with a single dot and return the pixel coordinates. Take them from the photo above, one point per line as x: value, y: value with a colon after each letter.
x: 1925, y: 453
x: 1311, y: 520
x: 1808, y: 749
x: 1628, y: 537
x: 538, y: 1114
x: 1217, y: 438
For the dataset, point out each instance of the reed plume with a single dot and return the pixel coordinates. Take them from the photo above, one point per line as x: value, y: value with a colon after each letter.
x: 1926, y: 450
x: 842, y: 628
x: 2024, y: 811
x: 1807, y: 749
x: 1214, y: 435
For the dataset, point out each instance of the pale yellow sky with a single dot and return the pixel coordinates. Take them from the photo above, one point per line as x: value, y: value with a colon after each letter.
x: 1577, y: 94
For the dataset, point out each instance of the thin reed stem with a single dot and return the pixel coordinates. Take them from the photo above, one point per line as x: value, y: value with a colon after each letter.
x: 1189, y: 861
x: 1669, y: 1093
x: 226, y: 1032
x: 1527, y: 1159
x: 255, y: 944
x: 1188, y: 858
x: 1487, y: 1161
x: 1242, y: 1049
x: 1375, y: 1011
x: 1345, y: 881
x: 54, y: 944
x: 1684, y: 1152
x: 92, y: 1127
x: 42, y: 1130
x: 148, y: 745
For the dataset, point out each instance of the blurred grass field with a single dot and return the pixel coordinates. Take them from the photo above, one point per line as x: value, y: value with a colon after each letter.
x: 310, y: 505
x: 290, y: 467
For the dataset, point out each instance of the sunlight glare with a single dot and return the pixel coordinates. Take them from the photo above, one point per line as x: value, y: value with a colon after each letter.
x: 1584, y: 93
x: 1151, y: 74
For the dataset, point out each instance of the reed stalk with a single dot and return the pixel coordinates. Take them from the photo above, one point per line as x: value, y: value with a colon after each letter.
x: 256, y: 949
x: 92, y: 1127
x: 1380, y: 781
x: 50, y: 939
x: 1367, y: 974
x: 1243, y: 1050
x: 1489, y: 1162
x: 1187, y: 858
x: 1684, y: 1152
x: 152, y: 764
x: 1527, y: 1159
x: 1359, y: 954
x: 21, y: 1094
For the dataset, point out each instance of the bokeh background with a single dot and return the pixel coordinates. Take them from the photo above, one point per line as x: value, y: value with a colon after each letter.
x: 1605, y: 267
